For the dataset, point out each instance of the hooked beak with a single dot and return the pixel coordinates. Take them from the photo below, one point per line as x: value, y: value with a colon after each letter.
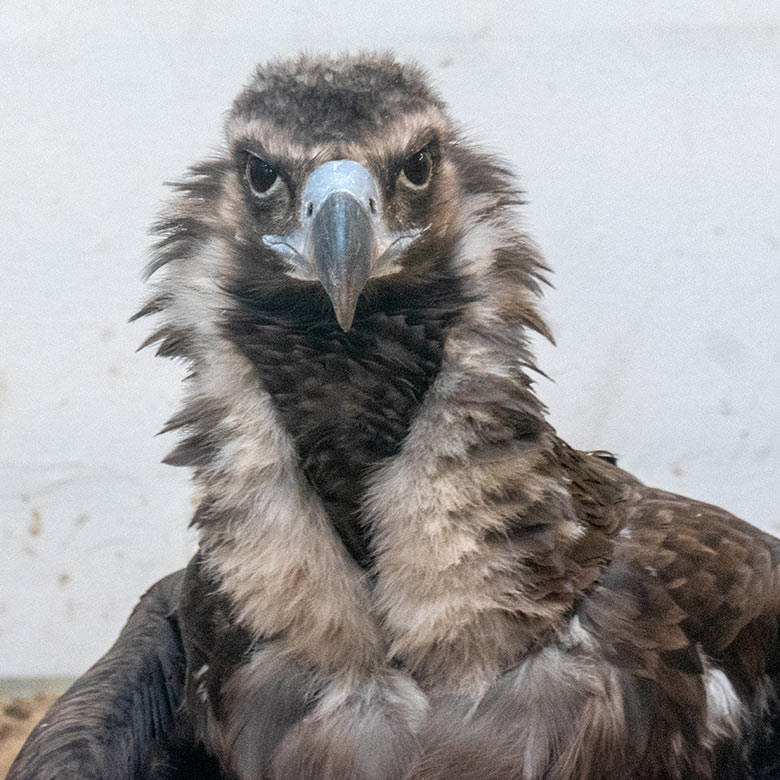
x: 341, y: 240
x: 342, y: 248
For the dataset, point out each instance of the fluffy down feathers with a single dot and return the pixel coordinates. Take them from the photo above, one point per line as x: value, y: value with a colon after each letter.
x: 403, y: 571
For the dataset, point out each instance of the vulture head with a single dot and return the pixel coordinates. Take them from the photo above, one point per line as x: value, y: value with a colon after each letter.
x: 344, y: 190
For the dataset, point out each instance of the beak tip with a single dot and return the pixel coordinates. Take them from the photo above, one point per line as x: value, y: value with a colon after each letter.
x: 344, y: 302
x: 345, y: 320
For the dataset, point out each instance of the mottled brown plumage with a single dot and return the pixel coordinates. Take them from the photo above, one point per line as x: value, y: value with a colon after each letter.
x: 403, y: 571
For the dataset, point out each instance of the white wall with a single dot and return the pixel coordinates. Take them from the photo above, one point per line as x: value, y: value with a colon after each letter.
x: 646, y: 136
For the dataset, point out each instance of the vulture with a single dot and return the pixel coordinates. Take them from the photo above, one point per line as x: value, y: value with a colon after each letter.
x: 403, y: 573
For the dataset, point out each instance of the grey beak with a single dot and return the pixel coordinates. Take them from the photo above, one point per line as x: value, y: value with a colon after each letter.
x: 341, y: 240
x: 342, y: 248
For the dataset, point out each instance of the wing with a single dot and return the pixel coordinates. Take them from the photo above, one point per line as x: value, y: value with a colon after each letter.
x: 121, y: 719
x: 690, y: 605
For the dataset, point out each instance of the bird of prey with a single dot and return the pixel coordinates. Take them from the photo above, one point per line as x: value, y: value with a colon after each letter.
x: 403, y: 572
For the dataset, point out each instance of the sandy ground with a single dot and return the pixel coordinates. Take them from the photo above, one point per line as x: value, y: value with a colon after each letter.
x: 17, y: 718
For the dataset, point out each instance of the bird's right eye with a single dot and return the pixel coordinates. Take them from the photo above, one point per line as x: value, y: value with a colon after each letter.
x: 260, y: 174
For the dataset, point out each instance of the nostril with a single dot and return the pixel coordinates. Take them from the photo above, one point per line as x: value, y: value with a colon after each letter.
x: 372, y: 205
x: 309, y: 209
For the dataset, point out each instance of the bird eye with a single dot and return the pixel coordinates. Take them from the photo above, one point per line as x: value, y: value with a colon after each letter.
x: 417, y: 168
x: 260, y: 174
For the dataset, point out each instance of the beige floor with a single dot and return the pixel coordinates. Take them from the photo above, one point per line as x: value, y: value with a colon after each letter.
x: 17, y: 718
x: 23, y: 702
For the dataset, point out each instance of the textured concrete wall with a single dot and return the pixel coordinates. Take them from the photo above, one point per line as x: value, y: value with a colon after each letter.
x: 646, y: 136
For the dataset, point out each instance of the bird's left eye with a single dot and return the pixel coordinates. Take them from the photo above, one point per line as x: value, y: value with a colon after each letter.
x: 260, y: 174
x: 417, y: 168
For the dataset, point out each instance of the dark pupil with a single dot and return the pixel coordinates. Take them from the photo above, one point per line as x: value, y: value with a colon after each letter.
x: 261, y: 175
x: 417, y: 168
